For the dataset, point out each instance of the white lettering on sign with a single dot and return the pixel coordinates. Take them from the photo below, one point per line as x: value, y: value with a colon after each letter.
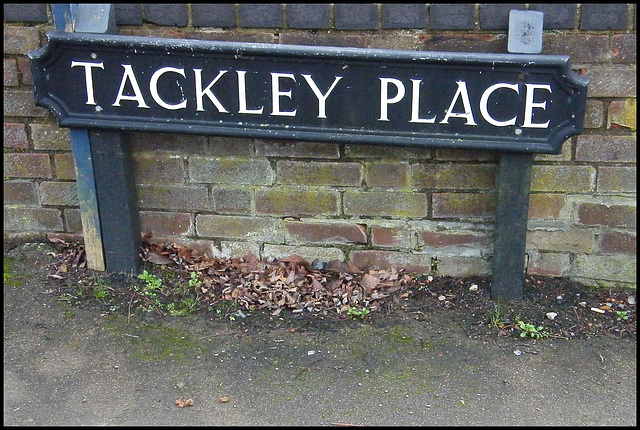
x: 284, y: 86
x: 88, y: 78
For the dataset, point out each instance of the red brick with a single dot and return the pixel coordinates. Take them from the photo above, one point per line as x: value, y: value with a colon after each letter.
x: 315, y: 173
x: 584, y: 48
x: 618, y: 242
x: 22, y: 104
x: 610, y: 215
x: 440, y: 240
x: 545, y: 206
x: 15, y: 136
x: 10, y: 73
x: 624, y: 48
x: 617, y: 179
x: 386, y: 175
x: 165, y: 223
x: 20, y: 193
x: 606, y: 148
x: 65, y: 169
x: 454, y: 176
x: 295, y: 202
x: 158, y: 168
x: 390, y: 237
x: 548, y: 264
x: 615, y: 81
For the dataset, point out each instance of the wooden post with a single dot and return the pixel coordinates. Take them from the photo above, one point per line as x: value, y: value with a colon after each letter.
x: 104, y: 179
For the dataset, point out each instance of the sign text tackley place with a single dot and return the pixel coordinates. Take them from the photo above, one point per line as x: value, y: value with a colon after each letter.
x: 502, y: 102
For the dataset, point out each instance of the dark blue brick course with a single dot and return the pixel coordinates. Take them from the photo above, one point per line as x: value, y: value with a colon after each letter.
x: 166, y: 14
x: 404, y: 15
x: 308, y: 16
x: 355, y: 16
x: 451, y: 16
x: 214, y: 15
x: 128, y: 14
x: 15, y: 12
x: 261, y: 15
x: 495, y: 16
x: 604, y: 16
x: 557, y: 16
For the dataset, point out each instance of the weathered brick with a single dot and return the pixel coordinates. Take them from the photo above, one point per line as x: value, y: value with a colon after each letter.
x: 309, y: 232
x: 223, y: 146
x: 401, y: 42
x: 606, y: 148
x: 58, y: 194
x: 277, y: 148
x: 619, y: 268
x: 166, y: 14
x: 465, y: 155
x: 232, y: 200
x: 128, y: 14
x: 214, y: 15
x: 20, y: 193
x: 32, y: 219
x: 454, y: 176
x: 230, y: 171
x: 10, y: 68
x: 373, y: 259
x: 380, y: 203
x: 398, y: 15
x: 451, y: 16
x: 463, y: 266
x: 169, y: 143
x: 464, y: 42
x: 24, y: 69
x: 25, y: 12
x: 20, y: 40
x: 15, y: 136
x: 622, y: 113
x: 613, y: 81
x: 548, y: 263
x: 267, y: 15
x: 50, y: 137
x: 356, y: 16
x: 308, y: 16
x: 545, y: 206
x: 569, y: 179
x: 603, y: 16
x: 65, y: 168
x: 607, y: 214
x: 319, y: 173
x: 495, y: 16
x: 72, y: 220
x: 158, y: 168
x: 173, y: 197
x: 463, y: 205
x: 308, y: 253
x: 616, y: 179
x: 22, y: 103
x: 581, y: 47
x: 615, y: 242
x: 572, y: 240
x: 324, y: 39
x: 390, y: 237
x: 165, y: 223
x: 557, y: 16
x: 624, y: 48
x: 594, y: 114
x: 387, y: 152
x: 285, y: 201
x: 26, y: 165
x: 239, y: 227
x: 387, y: 175
x: 442, y: 240
x: 237, y: 249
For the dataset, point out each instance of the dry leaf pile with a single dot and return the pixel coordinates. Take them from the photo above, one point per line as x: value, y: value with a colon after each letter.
x: 290, y: 283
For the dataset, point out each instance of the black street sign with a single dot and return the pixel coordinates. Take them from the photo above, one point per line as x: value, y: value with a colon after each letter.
x: 502, y: 102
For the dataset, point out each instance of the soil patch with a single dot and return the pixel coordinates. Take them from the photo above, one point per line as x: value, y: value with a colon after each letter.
x: 255, y: 294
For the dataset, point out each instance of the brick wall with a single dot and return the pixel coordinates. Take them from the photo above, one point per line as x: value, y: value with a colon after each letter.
x: 375, y: 206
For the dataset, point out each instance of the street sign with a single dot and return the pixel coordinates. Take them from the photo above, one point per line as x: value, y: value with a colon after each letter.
x: 503, y: 102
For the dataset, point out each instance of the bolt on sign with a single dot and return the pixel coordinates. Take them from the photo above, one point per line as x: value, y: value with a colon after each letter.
x: 501, y: 102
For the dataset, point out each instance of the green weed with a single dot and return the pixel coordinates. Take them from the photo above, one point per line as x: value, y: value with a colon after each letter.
x: 536, y: 332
